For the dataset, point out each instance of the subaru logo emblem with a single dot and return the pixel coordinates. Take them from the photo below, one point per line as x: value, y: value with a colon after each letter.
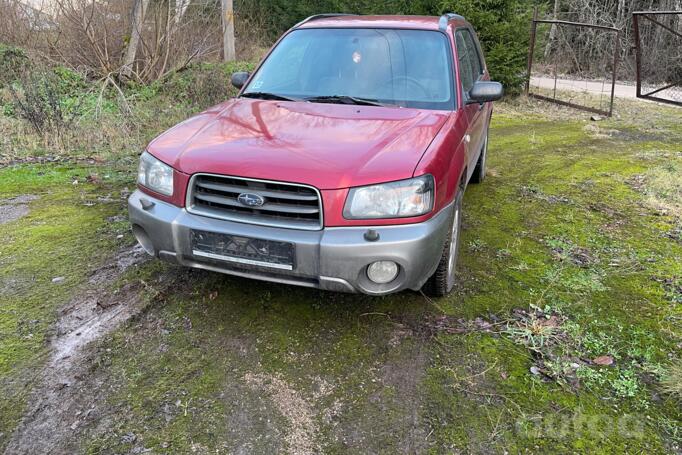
x: 251, y: 199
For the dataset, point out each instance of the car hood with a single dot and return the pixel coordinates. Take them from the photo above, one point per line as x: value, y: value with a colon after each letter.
x: 328, y: 146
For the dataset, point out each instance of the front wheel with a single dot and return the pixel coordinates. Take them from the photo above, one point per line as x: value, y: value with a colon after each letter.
x: 443, y: 279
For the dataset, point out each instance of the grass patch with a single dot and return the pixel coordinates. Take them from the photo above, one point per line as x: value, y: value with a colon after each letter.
x: 44, y: 257
x: 671, y: 383
x: 663, y: 186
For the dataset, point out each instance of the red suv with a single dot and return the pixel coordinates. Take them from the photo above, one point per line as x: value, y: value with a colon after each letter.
x: 341, y: 164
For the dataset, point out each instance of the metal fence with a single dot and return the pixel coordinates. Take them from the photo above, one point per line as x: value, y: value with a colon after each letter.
x: 658, y: 55
x: 556, y: 74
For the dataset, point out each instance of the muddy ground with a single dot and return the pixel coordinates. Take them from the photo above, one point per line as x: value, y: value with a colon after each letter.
x: 559, y: 337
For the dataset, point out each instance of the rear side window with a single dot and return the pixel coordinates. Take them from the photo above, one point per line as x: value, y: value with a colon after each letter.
x: 470, y: 67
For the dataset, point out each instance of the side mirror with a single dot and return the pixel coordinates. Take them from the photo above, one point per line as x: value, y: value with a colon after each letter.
x: 485, y: 91
x: 239, y: 79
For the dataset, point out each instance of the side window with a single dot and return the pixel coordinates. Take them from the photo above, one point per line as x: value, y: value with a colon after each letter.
x: 466, y: 73
x: 469, y: 60
x: 473, y: 55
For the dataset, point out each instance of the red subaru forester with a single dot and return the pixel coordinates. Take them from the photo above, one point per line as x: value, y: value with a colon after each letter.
x: 341, y: 164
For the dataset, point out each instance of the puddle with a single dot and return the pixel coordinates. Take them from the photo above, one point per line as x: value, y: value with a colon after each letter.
x: 15, y: 208
x: 94, y: 312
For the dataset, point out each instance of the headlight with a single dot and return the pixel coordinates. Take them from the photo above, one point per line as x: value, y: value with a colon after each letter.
x: 155, y: 175
x: 401, y: 199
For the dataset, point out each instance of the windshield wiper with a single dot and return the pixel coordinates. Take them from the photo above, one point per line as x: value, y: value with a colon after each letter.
x: 345, y: 99
x: 267, y: 96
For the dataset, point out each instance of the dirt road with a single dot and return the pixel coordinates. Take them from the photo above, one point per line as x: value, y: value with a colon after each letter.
x: 592, y: 87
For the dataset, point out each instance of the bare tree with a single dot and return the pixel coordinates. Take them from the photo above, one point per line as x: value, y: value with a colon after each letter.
x: 139, y: 11
x: 228, y: 30
x: 588, y: 52
x: 552, y: 31
x: 132, y: 39
x: 180, y: 9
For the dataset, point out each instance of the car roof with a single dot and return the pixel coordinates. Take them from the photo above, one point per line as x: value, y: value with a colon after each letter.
x: 360, y: 21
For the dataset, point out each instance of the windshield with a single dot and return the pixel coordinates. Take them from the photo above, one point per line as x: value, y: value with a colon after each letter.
x: 410, y: 68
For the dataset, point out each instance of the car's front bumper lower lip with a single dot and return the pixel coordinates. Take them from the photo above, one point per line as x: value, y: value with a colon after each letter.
x: 334, y: 258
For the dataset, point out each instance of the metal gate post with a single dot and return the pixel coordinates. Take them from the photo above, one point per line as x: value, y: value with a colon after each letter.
x: 616, y: 58
x: 531, y: 48
x: 638, y: 53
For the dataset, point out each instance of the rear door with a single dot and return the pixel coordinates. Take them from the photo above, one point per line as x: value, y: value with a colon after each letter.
x: 471, y: 69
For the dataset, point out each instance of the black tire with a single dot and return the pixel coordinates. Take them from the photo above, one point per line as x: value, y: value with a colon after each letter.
x: 443, y: 279
x: 479, y: 172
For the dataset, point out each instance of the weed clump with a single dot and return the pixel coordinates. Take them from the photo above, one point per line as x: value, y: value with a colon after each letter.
x: 47, y: 100
x: 204, y: 85
x: 13, y: 61
x: 663, y: 186
x: 671, y: 383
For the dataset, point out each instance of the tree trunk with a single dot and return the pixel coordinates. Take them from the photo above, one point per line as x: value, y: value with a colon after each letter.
x: 180, y: 9
x: 552, y: 31
x: 620, y: 21
x: 139, y: 11
x: 228, y: 31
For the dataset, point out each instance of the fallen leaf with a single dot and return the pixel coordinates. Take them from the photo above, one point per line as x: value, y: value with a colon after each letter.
x: 603, y: 360
x: 212, y: 295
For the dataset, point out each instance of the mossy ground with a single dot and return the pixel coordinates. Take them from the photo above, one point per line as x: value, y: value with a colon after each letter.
x: 71, y: 226
x: 564, y: 224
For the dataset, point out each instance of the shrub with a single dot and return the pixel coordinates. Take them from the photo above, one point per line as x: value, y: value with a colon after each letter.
x: 503, y: 29
x: 12, y: 61
x: 279, y: 15
x: 204, y: 85
x: 47, y: 101
x: 69, y: 82
x: 502, y: 25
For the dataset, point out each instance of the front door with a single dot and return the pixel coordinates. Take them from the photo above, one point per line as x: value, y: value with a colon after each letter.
x: 470, y: 71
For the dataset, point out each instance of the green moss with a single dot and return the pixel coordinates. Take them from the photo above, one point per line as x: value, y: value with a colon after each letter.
x: 549, y: 181
x: 63, y: 236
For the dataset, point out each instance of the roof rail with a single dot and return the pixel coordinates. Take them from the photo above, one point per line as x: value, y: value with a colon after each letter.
x: 320, y: 16
x: 447, y: 17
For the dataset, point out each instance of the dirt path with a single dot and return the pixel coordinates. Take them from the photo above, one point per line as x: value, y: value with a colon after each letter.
x: 293, y: 406
x: 58, y: 402
x: 592, y: 87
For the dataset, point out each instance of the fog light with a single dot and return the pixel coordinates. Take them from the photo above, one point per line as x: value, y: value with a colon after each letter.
x: 382, y: 272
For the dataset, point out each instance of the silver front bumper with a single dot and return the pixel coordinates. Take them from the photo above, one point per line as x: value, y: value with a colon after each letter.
x: 334, y: 258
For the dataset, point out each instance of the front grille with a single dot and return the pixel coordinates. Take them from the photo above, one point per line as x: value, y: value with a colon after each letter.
x: 285, y: 204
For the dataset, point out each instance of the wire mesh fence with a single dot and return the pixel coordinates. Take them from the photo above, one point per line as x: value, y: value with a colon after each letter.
x: 658, y: 53
x: 573, y: 64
